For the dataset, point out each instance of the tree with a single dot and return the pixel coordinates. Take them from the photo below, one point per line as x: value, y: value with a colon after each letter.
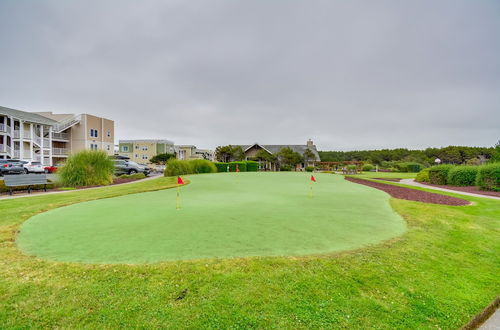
x: 309, y: 155
x: 265, y: 156
x: 161, y: 158
x: 229, y: 153
x: 286, y: 156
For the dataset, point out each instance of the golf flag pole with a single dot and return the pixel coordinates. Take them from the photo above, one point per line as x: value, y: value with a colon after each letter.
x: 313, y: 179
x: 178, y: 199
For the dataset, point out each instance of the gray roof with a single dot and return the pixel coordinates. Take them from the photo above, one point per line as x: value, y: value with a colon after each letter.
x: 26, y: 116
x: 274, y: 148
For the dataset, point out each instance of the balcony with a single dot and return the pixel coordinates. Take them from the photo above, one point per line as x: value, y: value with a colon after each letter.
x: 4, y: 128
x: 26, y: 134
x: 60, y: 151
x: 60, y: 136
x: 16, y: 154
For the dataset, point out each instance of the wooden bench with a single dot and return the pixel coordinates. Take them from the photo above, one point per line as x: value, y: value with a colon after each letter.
x: 25, y: 180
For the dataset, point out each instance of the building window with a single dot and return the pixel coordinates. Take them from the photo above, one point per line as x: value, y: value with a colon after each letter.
x: 145, y: 148
x: 93, y: 132
x: 137, y: 147
x: 109, y: 133
x: 136, y: 156
x: 144, y: 157
x: 93, y: 146
x: 107, y: 147
x: 125, y: 148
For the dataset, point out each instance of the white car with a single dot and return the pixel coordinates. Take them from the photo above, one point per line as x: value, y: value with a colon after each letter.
x: 33, y: 167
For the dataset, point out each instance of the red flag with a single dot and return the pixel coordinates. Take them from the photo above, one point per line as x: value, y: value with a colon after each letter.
x: 179, y: 180
x: 312, y: 178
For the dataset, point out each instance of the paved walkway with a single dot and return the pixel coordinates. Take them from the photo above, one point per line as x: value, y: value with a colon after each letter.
x: 411, y: 182
x: 42, y: 193
x: 493, y: 323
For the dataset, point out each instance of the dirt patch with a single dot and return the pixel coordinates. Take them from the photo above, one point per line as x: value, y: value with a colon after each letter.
x: 389, y: 179
x: 412, y: 194
x: 473, y: 189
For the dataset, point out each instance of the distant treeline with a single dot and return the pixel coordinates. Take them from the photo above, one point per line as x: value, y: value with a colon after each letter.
x: 448, y: 155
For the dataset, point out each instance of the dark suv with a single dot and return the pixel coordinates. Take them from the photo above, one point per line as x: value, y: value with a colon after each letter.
x: 124, y: 166
x: 9, y: 166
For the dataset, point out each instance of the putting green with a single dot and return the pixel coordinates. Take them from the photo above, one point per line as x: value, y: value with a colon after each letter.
x: 222, y: 215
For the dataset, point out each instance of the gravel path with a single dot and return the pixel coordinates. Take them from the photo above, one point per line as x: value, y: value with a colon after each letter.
x: 411, y: 194
x: 411, y: 182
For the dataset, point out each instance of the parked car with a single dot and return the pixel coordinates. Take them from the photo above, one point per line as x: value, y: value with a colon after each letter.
x: 33, y: 167
x: 123, y: 166
x: 9, y: 166
x: 52, y: 168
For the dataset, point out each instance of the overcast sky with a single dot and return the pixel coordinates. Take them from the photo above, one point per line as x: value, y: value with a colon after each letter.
x: 347, y: 74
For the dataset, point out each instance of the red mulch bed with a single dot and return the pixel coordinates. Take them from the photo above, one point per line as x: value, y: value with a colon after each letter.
x: 473, y: 189
x: 412, y: 194
x: 389, y: 179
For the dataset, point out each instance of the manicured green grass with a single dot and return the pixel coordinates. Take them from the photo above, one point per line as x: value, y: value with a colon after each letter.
x: 439, y: 274
x: 223, y: 215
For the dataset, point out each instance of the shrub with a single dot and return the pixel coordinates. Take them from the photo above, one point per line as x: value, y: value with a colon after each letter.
x: 252, y: 166
x: 221, y: 167
x: 178, y: 167
x: 309, y: 168
x: 136, y: 176
x: 285, y: 168
x: 439, y: 174
x: 409, y: 167
x: 462, y: 176
x: 423, y: 175
x: 241, y: 165
x: 203, y: 166
x: 488, y: 177
x: 367, y: 167
x: 87, y: 168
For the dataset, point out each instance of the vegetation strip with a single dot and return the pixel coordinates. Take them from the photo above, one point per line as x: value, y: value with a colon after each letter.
x: 439, y: 274
x: 468, y: 189
x: 411, y: 194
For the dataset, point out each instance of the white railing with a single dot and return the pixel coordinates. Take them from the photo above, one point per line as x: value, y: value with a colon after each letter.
x: 3, y: 127
x: 37, y: 158
x: 46, y: 143
x: 46, y: 152
x: 60, y: 136
x: 60, y: 151
x: 26, y: 154
x: 2, y: 148
x: 16, y: 153
x: 17, y: 134
x: 59, y: 127
x: 26, y: 134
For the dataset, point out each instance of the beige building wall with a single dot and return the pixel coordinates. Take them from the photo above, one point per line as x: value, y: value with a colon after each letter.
x: 81, y: 137
x: 142, y: 152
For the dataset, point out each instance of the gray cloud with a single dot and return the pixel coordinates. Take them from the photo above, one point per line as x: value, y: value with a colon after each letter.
x: 357, y: 74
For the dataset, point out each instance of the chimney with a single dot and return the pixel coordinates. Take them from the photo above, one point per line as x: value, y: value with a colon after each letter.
x: 310, y: 143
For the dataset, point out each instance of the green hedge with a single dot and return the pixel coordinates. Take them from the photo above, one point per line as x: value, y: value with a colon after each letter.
x: 423, y: 175
x: 439, y: 174
x: 137, y: 176
x: 203, y: 166
x: 241, y: 165
x: 252, y: 166
x: 286, y: 168
x: 221, y: 167
x: 488, y: 177
x: 410, y: 167
x: 309, y: 168
x: 462, y: 176
x: 182, y: 167
x: 178, y: 167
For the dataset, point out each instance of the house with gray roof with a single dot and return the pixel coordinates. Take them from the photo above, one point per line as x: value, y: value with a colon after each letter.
x: 251, y: 151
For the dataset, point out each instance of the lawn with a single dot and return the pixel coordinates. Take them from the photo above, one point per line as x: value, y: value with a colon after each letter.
x: 222, y: 215
x: 439, y: 273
